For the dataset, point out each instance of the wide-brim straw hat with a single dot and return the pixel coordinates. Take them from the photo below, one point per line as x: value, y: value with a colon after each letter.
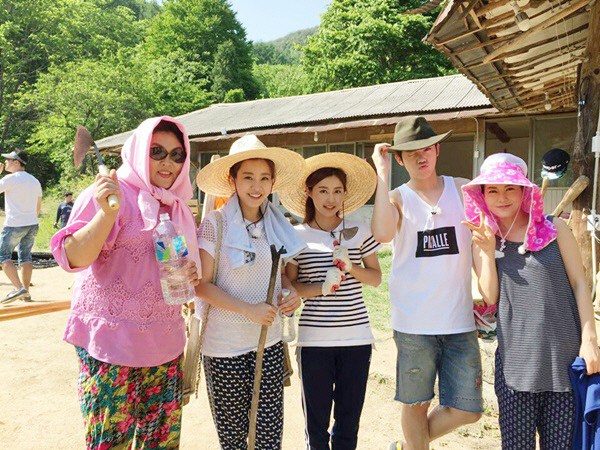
x: 361, y: 182
x: 214, y: 177
x: 414, y: 133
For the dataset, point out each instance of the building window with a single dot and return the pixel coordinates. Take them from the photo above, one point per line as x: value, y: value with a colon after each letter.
x: 342, y: 148
x: 313, y: 150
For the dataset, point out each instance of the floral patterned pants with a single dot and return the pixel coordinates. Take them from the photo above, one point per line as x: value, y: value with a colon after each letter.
x: 122, y: 404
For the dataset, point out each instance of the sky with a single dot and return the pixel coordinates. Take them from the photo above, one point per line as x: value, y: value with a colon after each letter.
x: 265, y: 20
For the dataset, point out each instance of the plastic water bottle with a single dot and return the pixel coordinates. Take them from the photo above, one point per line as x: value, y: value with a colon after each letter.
x: 171, y: 254
x: 288, y: 324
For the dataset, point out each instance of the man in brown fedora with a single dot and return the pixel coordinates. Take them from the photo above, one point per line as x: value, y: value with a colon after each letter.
x: 429, y: 287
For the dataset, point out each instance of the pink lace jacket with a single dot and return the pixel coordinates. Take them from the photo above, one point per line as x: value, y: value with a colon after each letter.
x: 117, y: 313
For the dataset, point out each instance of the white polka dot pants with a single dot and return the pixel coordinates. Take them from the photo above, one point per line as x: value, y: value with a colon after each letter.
x: 229, y: 382
x: 551, y: 414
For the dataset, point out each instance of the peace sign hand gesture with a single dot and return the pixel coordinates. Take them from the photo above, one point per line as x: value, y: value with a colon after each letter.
x: 483, y: 235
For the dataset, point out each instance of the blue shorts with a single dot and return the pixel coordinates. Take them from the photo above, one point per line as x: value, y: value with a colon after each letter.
x: 455, y: 358
x: 21, y: 236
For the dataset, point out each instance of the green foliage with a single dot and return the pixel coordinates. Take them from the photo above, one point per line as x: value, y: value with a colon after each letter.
x: 281, y: 80
x: 38, y: 35
x: 143, y: 9
x: 101, y: 96
x: 234, y: 96
x: 361, y: 42
x: 230, y: 73
x: 99, y: 63
x: 197, y: 28
x: 169, y: 83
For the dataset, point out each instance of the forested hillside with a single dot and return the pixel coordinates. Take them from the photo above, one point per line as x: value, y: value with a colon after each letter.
x: 108, y: 64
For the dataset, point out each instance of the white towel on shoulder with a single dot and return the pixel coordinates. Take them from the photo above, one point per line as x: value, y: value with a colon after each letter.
x: 278, y: 229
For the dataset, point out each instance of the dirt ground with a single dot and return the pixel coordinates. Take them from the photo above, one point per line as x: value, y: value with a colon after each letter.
x: 38, y: 396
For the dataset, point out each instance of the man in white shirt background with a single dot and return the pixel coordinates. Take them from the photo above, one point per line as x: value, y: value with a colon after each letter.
x: 23, y: 201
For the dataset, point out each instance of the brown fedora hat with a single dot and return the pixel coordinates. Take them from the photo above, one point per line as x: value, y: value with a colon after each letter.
x: 414, y: 133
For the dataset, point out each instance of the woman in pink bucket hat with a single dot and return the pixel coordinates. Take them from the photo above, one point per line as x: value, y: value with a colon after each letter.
x: 529, y: 264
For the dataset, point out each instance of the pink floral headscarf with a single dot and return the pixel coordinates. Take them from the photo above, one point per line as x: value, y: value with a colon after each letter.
x: 136, y: 171
x: 504, y: 168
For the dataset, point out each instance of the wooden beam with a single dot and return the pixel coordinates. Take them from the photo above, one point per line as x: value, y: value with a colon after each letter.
x: 490, y: 7
x: 542, y: 73
x: 467, y: 9
x: 582, y: 154
x: 475, y: 19
x: 487, y: 43
x: 17, y: 312
x: 539, y: 27
x: 458, y: 36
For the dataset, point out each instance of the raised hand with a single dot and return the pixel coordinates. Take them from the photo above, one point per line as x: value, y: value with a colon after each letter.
x: 381, y: 159
x: 105, y: 186
x: 483, y: 236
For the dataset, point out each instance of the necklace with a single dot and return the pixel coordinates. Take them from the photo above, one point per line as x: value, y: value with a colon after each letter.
x: 254, y: 232
x: 500, y: 253
x: 331, y: 233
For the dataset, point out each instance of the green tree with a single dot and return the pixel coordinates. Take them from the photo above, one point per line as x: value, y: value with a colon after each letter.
x: 169, y: 84
x: 361, y: 42
x: 102, y: 96
x: 197, y: 28
x: 267, y: 53
x: 36, y: 34
x: 234, y: 96
x: 281, y: 80
x: 228, y: 74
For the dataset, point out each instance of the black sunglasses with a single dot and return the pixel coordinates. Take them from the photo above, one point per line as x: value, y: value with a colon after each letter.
x: 158, y: 154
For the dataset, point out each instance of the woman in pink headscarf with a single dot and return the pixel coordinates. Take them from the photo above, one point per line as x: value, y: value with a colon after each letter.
x: 529, y: 264
x: 128, y: 341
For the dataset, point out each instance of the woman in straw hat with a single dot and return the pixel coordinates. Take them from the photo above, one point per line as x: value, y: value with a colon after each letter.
x: 528, y: 264
x: 334, y: 334
x: 128, y: 341
x: 250, y: 225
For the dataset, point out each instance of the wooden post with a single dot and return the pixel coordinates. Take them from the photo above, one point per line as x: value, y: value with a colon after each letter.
x: 583, y: 159
x: 275, y: 257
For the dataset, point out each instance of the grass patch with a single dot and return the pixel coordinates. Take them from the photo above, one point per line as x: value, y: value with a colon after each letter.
x: 50, y: 200
x: 377, y: 299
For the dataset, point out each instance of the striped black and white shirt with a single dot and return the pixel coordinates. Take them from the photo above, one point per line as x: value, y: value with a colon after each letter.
x: 338, y: 319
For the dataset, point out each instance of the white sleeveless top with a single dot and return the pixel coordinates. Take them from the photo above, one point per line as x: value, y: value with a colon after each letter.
x: 430, y: 278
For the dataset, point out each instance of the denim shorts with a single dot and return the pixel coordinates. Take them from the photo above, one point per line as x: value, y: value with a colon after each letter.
x: 21, y: 236
x: 455, y: 358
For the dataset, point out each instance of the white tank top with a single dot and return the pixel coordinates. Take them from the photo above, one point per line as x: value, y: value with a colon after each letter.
x: 430, y: 279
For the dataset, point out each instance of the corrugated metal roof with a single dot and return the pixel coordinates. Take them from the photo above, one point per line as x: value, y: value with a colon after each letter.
x: 450, y: 93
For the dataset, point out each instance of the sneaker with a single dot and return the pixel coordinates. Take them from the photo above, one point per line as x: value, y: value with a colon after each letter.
x: 27, y: 297
x: 13, y: 295
x: 398, y: 445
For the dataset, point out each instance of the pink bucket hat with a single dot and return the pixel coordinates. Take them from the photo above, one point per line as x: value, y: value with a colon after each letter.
x: 504, y: 168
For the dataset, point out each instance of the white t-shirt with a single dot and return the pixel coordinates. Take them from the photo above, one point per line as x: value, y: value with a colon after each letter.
x: 229, y: 333
x: 21, y: 193
x: 339, y: 319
